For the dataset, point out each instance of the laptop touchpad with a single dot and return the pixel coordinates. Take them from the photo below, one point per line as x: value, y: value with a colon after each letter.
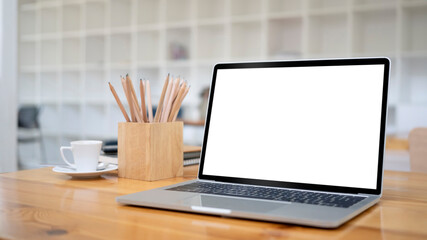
x: 234, y: 204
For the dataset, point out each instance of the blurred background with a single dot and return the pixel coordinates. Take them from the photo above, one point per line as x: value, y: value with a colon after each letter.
x: 68, y: 50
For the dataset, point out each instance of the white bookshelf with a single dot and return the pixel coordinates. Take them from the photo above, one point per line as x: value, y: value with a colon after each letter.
x: 70, y: 49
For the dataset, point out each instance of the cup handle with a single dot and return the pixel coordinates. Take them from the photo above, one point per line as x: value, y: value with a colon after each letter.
x: 63, y: 156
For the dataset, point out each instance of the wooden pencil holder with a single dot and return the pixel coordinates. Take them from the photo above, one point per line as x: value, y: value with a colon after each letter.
x: 150, y: 151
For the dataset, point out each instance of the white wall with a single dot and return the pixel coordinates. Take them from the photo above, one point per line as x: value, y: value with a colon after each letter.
x: 8, y: 82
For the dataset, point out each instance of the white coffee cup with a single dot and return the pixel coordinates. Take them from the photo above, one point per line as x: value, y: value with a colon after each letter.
x: 85, y: 153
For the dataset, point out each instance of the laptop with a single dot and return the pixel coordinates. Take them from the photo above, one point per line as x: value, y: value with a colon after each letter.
x: 298, y: 142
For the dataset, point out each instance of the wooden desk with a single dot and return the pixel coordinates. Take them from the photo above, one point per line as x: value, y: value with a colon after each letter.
x: 41, y: 204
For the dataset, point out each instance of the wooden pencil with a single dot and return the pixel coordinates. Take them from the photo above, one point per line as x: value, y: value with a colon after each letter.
x: 175, y: 93
x: 162, y: 97
x: 166, y: 100
x: 132, y: 92
x: 142, y: 94
x: 150, y: 108
x: 129, y: 99
x: 175, y: 105
x: 119, y: 102
x: 180, y: 103
x: 170, y: 101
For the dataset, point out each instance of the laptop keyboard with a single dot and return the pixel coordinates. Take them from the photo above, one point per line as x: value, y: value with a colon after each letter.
x: 265, y: 193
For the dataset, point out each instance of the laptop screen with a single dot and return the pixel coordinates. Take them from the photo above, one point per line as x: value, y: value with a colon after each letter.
x: 310, y: 123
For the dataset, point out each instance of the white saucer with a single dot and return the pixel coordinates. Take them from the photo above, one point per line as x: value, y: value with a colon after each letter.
x: 74, y: 173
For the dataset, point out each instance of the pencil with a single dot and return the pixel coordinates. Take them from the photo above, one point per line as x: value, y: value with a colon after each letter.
x: 180, y: 102
x: 129, y: 99
x: 175, y: 93
x: 166, y: 100
x: 170, y: 100
x: 162, y: 96
x: 175, y: 106
x: 135, y: 103
x: 119, y: 102
x: 143, y: 109
x: 150, y: 108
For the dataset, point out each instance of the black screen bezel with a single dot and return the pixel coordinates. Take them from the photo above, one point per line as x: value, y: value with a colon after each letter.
x: 303, y: 63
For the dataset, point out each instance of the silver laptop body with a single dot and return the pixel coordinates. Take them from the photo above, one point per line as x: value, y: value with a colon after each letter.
x: 298, y: 142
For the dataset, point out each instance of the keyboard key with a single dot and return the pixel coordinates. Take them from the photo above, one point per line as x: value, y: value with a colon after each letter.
x: 275, y: 194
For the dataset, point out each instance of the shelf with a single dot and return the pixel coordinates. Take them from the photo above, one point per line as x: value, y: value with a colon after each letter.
x: 328, y: 11
x: 71, y: 86
x: 148, y: 11
x: 178, y: 11
x: 149, y: 64
x: 375, y: 31
x: 96, y: 88
x: 246, y: 19
x: 393, y: 92
x: 71, y: 17
x: 391, y: 119
x: 49, y: 118
x: 27, y: 54
x: 414, y: 54
x: 50, y: 143
x: 71, y: 119
x: 65, y: 35
x: 418, y: 117
x: 209, y: 62
x: 414, y: 71
x: 178, y: 43
x: 95, y: 15
x: 376, y: 3
x: 50, y: 50
x: 95, y: 49
x: 29, y: 69
x: 115, y: 116
x: 153, y: 75
x: 208, y: 9
x: 120, y: 49
x: 285, y: 6
x: 414, y: 27
x: 246, y: 40
x: 114, y: 79
x: 178, y: 63
x: 204, y: 77
x: 49, y: 20
x: 120, y: 14
x: 246, y: 7
x: 50, y: 83
x: 26, y: 87
x: 328, y: 4
x: 46, y: 4
x: 93, y: 121
x: 285, y: 38
x: 327, y: 34
x: 27, y: 23
x: 72, y: 51
x: 69, y: 67
x: 211, y: 42
x: 148, y: 46
x: 27, y: 6
x: 414, y: 3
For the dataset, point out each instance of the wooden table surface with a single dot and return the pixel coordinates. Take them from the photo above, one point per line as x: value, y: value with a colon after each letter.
x: 41, y: 204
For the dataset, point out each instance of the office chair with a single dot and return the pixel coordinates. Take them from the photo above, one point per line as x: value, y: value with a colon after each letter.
x: 418, y: 149
x: 29, y: 129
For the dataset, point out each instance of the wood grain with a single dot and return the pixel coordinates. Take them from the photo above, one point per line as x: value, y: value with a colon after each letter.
x: 150, y: 151
x: 41, y: 204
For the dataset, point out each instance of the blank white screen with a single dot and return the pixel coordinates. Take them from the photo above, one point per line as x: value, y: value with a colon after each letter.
x: 316, y: 125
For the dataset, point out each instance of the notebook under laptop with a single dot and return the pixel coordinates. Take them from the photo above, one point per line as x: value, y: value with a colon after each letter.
x: 297, y: 142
